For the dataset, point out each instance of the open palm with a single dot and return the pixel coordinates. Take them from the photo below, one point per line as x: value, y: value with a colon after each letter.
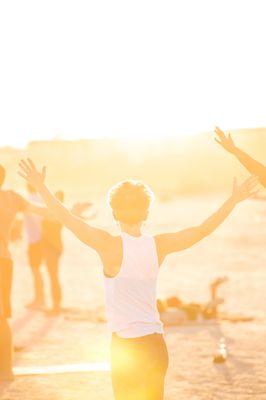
x: 79, y: 208
x: 225, y: 141
x: 29, y: 172
x: 247, y: 189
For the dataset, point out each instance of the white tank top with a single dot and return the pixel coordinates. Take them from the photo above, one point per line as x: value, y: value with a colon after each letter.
x: 130, y: 296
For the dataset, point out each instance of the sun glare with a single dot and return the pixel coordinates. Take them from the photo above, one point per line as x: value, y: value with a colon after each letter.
x: 151, y: 76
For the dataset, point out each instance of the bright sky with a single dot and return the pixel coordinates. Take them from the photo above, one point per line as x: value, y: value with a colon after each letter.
x: 73, y: 68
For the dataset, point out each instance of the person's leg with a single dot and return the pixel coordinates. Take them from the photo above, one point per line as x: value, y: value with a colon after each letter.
x: 138, y: 367
x: 6, y: 347
x: 52, y: 258
x: 214, y: 286
x: 6, y: 350
x: 210, y: 310
x: 35, y: 256
x: 125, y: 366
x: 157, y: 359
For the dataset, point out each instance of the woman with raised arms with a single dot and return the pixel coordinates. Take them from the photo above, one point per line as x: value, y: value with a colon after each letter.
x: 131, y: 261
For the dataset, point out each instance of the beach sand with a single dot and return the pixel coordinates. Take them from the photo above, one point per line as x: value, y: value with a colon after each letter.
x: 236, y: 250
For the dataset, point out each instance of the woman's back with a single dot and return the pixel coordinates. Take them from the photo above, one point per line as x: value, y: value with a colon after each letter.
x: 131, y: 294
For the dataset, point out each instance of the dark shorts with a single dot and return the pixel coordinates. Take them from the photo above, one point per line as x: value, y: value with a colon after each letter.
x: 138, y: 367
x: 6, y: 274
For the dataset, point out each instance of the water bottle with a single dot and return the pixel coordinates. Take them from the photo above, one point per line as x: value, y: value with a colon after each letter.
x: 221, y: 355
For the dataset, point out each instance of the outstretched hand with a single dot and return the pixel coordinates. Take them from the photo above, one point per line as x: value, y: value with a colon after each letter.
x: 29, y: 172
x: 79, y: 208
x: 247, y: 189
x: 225, y: 141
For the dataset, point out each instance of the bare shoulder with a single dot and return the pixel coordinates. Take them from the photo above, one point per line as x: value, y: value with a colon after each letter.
x: 162, y: 239
x: 112, y: 241
x: 112, y: 244
x: 15, y: 200
x: 9, y: 194
x: 172, y: 242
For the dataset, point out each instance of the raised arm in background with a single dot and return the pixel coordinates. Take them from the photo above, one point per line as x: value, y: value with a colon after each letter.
x: 172, y: 242
x: 93, y: 237
x: 33, y: 208
x: 253, y: 166
x: 259, y: 197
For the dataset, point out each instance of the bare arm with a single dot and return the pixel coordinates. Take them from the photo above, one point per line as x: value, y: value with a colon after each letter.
x: 35, y: 209
x: 79, y: 208
x: 258, y: 197
x: 93, y: 237
x: 174, y: 242
x: 253, y: 166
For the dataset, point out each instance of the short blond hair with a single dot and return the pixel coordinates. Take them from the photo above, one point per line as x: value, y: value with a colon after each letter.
x: 130, y: 201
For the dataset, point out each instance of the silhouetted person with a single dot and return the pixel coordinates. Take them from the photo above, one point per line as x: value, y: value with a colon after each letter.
x: 11, y: 204
x: 33, y: 227
x: 131, y: 260
x: 52, y: 250
x: 45, y: 246
x: 253, y: 166
x: 174, y: 311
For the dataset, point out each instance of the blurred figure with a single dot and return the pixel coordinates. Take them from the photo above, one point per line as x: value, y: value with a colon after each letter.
x: 131, y: 261
x: 52, y: 245
x: 33, y: 227
x: 11, y: 204
x: 52, y: 250
x: 253, y: 166
x: 174, y: 311
x: 46, y: 247
x: 16, y: 233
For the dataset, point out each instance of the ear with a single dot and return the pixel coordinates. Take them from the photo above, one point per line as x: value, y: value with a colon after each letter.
x: 114, y: 215
x: 145, y: 215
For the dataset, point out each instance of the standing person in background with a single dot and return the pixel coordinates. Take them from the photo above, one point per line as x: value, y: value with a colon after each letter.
x: 46, y: 246
x: 52, y: 247
x: 33, y: 227
x: 52, y: 250
x: 131, y: 261
x: 252, y: 165
x: 11, y: 204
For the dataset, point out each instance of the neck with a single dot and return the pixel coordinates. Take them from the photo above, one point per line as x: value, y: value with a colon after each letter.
x: 132, y: 230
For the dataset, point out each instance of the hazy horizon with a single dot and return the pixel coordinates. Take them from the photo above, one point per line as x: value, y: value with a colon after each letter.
x: 172, y: 166
x: 27, y: 139
x: 23, y: 143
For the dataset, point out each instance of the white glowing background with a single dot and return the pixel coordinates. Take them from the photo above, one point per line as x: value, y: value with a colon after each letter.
x: 74, y: 69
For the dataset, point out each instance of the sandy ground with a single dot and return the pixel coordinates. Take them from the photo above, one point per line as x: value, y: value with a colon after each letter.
x: 235, y: 250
